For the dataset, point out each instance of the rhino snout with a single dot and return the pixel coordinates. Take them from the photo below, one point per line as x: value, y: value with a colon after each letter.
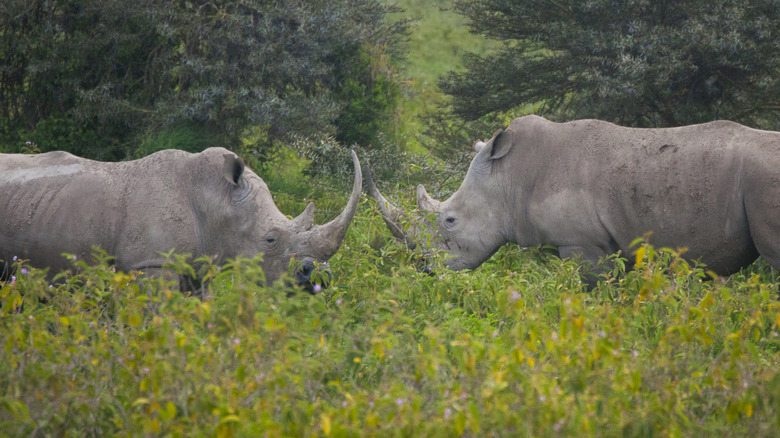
x: 313, y: 276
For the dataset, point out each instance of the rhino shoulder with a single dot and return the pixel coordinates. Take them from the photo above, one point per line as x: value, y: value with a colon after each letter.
x: 527, y: 121
x: 532, y: 121
x: 216, y: 152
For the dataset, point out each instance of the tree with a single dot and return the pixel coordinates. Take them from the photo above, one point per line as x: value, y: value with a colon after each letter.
x: 101, y: 74
x: 633, y: 62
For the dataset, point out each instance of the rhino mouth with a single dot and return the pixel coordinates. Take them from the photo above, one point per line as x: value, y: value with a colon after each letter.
x: 312, y: 276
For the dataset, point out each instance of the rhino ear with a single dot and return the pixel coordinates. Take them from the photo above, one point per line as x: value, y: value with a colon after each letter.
x: 233, y: 168
x: 500, y: 145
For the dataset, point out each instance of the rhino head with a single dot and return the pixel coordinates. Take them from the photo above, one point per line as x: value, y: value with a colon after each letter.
x: 472, y: 224
x: 264, y: 229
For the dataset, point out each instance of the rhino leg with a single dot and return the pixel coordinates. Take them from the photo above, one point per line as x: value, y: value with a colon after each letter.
x: 5, y: 271
x: 589, y: 257
x: 186, y: 284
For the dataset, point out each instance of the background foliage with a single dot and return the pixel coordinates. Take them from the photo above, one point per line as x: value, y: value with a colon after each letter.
x: 633, y: 62
x: 97, y: 77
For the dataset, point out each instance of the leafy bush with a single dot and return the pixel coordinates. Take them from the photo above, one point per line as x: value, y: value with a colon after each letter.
x: 632, y: 62
x: 107, y: 73
x: 370, y: 96
x: 516, y: 347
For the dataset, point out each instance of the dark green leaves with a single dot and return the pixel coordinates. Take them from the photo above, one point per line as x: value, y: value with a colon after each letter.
x: 633, y: 62
x: 97, y: 77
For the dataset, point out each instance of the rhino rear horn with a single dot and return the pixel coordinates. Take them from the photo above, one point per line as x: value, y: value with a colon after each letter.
x: 328, y: 237
x: 305, y: 220
x: 425, y: 202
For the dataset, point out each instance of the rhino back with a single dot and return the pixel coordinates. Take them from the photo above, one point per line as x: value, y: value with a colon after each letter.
x: 55, y: 202
x: 685, y: 185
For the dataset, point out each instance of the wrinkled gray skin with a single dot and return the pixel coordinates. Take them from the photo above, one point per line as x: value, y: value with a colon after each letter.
x: 201, y: 204
x: 590, y: 188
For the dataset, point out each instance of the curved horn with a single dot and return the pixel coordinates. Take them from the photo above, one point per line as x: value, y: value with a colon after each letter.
x: 390, y: 213
x: 328, y: 237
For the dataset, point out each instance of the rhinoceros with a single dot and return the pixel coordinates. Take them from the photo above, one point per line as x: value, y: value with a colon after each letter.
x: 590, y: 188
x: 204, y: 204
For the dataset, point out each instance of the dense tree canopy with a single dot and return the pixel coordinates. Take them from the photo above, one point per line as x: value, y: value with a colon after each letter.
x: 634, y: 62
x: 92, y: 76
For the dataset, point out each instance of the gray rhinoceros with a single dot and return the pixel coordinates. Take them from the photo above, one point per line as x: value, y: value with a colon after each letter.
x: 207, y: 203
x: 590, y: 188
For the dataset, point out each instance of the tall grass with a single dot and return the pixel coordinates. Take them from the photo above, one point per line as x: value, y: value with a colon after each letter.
x: 514, y: 348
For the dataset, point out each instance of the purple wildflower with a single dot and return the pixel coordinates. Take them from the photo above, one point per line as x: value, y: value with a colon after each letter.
x: 317, y: 288
x: 25, y: 271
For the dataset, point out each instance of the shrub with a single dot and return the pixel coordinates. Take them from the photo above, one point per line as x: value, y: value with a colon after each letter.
x: 516, y: 347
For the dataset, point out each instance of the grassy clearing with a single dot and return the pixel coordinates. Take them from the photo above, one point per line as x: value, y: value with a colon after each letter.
x: 515, y: 348
x: 439, y: 38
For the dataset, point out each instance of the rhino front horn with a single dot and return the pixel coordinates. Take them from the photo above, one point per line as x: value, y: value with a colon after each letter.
x: 328, y: 237
x: 389, y: 212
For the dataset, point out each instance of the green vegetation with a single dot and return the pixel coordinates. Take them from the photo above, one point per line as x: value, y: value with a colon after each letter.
x: 100, y: 77
x: 634, y: 62
x: 515, y: 348
x: 438, y: 40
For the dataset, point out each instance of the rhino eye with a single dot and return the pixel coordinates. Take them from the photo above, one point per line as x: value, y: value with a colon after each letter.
x: 271, y: 239
x: 450, y: 220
